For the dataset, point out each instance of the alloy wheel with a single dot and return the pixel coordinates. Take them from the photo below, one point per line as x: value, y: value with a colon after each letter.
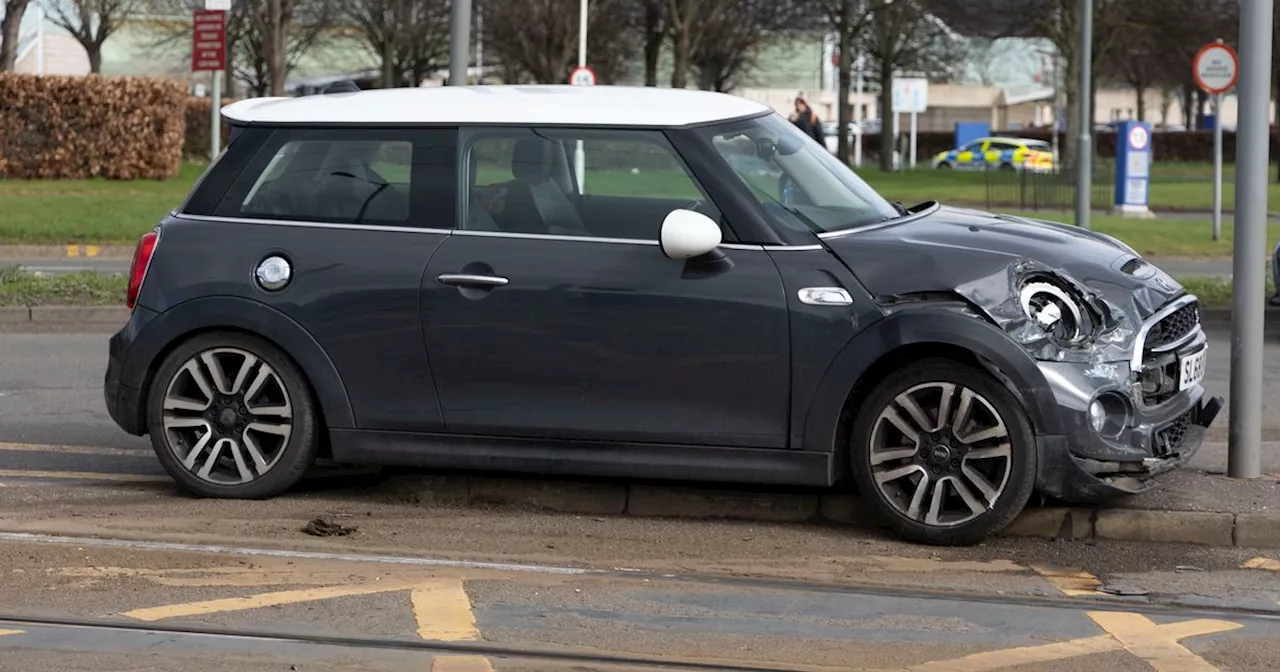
x: 940, y: 454
x: 227, y: 416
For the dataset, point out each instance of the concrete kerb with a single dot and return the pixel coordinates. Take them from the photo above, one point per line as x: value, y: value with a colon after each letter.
x: 65, y: 315
x: 660, y: 501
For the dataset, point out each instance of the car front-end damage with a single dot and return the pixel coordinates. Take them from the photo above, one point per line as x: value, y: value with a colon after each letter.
x: 1127, y: 378
x: 1117, y: 340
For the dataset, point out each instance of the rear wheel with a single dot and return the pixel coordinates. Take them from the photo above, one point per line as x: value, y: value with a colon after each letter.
x: 945, y: 165
x: 231, y: 416
x: 944, y: 452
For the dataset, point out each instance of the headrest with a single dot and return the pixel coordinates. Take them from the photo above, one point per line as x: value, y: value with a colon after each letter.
x: 531, y: 160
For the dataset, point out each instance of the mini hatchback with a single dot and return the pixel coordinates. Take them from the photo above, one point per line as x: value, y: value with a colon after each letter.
x: 638, y: 283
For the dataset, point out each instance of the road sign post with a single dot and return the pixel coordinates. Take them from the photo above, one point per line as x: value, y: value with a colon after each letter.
x: 581, y: 76
x: 1215, y: 69
x: 209, y: 54
x: 910, y: 95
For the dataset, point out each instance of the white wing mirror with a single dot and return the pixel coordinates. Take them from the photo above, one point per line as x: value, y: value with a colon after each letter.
x: 687, y: 234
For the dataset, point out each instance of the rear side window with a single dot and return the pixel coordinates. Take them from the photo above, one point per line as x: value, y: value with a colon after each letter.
x: 355, y: 176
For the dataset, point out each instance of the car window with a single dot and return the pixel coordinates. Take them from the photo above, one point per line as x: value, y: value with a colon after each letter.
x: 974, y: 146
x: 347, y: 181
x: 530, y: 181
x: 799, y: 183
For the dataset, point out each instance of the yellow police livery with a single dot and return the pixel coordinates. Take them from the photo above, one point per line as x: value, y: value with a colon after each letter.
x: 998, y: 154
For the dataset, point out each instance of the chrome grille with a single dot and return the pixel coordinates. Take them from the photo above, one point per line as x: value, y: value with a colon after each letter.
x: 1174, y: 327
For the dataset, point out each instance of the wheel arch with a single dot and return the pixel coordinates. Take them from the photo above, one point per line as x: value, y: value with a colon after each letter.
x: 902, y: 337
x: 189, y: 319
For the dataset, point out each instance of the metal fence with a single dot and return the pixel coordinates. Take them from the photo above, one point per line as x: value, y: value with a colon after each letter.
x: 1047, y: 191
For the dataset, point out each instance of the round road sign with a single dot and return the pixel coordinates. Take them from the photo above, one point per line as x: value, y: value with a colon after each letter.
x: 582, y: 76
x: 1138, y: 138
x: 1215, y: 67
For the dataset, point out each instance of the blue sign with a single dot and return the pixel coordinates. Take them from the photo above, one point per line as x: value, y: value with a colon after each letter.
x: 968, y: 131
x: 1133, y: 166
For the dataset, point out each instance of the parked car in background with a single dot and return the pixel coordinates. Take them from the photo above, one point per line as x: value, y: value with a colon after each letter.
x: 620, y: 282
x: 1000, y: 154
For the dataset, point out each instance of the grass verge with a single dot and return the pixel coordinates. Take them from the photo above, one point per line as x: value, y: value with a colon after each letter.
x: 19, y: 288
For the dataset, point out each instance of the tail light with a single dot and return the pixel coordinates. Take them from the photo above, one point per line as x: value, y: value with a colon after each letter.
x: 138, y: 270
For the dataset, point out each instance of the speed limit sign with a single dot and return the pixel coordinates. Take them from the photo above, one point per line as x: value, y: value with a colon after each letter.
x: 582, y: 76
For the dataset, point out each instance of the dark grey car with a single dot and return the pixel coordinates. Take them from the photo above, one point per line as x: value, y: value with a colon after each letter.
x: 638, y: 283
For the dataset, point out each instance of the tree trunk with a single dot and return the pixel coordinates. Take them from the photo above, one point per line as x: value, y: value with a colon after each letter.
x: 94, y: 52
x: 9, y: 33
x: 680, y: 58
x: 653, y: 38
x: 1070, y: 91
x: 888, y: 136
x: 229, y: 74
x: 388, y: 62
x: 1142, y: 101
x: 1200, y: 96
x: 1188, y: 108
x: 844, y: 71
x: 276, y: 51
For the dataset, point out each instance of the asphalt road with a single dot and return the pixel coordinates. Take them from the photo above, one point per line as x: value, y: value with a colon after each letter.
x: 246, y: 584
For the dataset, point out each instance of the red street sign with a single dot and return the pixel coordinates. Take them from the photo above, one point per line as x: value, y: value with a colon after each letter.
x: 209, y: 40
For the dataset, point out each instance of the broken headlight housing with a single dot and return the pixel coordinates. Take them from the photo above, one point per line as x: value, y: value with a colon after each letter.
x: 1064, y: 316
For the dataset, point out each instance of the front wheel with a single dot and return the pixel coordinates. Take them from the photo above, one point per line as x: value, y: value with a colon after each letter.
x: 231, y: 416
x: 944, y: 452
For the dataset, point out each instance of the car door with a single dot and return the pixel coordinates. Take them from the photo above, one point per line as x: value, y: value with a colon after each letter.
x: 552, y: 312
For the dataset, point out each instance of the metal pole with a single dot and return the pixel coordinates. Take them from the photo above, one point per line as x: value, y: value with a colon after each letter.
x: 459, y: 42
x: 582, y: 33
x: 215, y: 104
x: 1217, y: 166
x: 1084, y: 140
x: 913, y: 139
x: 857, y: 114
x: 1244, y: 446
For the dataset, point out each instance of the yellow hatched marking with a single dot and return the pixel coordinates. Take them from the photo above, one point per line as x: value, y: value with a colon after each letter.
x: 259, y: 601
x: 461, y: 664
x: 1262, y: 563
x: 1069, y: 581
x: 91, y: 250
x: 1156, y: 644
x: 73, y: 250
x: 10, y: 632
x: 443, y: 611
x: 84, y: 476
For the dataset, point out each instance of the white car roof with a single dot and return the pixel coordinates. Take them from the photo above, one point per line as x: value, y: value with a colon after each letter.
x: 541, y: 104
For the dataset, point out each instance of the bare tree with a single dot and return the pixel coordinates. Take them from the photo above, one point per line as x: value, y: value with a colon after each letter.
x: 538, y: 39
x: 91, y: 22
x: 410, y: 37
x: 653, y: 28
x: 905, y: 37
x: 732, y: 42
x: 689, y: 22
x: 848, y: 19
x: 10, y: 27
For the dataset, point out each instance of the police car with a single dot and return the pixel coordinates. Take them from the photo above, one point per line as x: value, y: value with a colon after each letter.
x: 998, y: 153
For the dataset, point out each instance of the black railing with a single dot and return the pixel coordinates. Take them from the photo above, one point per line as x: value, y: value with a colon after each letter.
x: 1055, y: 190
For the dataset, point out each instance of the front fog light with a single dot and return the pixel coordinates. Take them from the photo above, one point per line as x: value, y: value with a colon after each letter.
x: 1097, y: 415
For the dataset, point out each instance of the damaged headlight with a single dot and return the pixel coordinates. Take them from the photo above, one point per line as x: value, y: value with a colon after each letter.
x: 1065, y: 318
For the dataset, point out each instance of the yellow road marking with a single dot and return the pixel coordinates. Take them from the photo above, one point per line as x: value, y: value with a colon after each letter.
x: 1262, y: 563
x: 10, y: 632
x: 1156, y: 644
x: 461, y: 664
x: 443, y: 611
x: 1152, y: 643
x: 1069, y: 581
x: 261, y: 600
x: 71, y: 450
x: 73, y: 250
x: 84, y: 476
x: 91, y: 250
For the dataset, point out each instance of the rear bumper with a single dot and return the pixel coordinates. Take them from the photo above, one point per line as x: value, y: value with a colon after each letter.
x: 125, y: 403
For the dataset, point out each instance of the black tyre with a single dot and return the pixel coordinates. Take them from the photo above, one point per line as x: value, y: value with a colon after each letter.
x: 944, y: 166
x: 231, y: 416
x: 944, y: 453
x: 1007, y: 167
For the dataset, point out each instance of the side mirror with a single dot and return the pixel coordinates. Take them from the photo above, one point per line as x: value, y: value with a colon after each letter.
x: 687, y: 234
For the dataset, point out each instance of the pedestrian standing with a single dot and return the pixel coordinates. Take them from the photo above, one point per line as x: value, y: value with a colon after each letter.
x: 807, y: 120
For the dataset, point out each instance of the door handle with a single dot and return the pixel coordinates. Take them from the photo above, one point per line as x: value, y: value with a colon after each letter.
x: 471, y: 280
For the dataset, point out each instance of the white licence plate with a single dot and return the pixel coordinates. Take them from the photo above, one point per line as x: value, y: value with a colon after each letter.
x: 1191, y: 369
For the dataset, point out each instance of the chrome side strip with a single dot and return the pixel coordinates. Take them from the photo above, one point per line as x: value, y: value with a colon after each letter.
x: 313, y: 225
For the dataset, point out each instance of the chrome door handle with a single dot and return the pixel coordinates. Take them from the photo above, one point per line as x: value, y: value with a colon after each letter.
x: 470, y: 280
